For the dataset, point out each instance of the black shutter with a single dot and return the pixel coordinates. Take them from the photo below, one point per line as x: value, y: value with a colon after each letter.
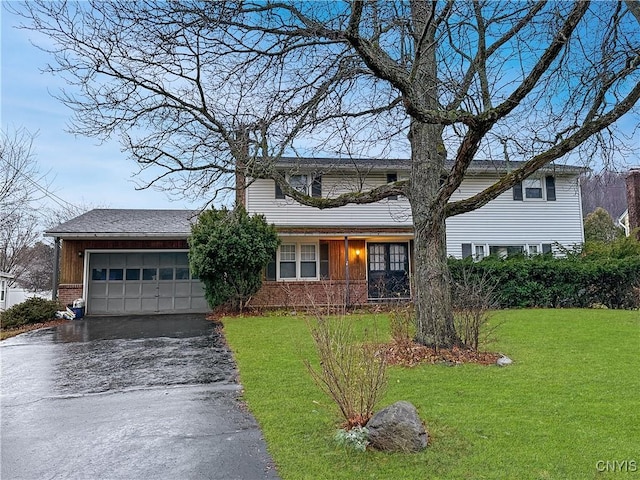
x: 316, y: 186
x: 392, y: 177
x: 546, y: 248
x: 551, y: 188
x: 517, y: 191
x: 270, y: 270
x: 279, y: 192
x: 466, y: 250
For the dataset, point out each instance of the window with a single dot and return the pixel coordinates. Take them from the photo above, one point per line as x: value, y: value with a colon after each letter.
x: 149, y: 273
x: 3, y: 287
x: 533, y: 250
x: 133, y: 274
x: 397, y: 257
x: 307, y: 184
x: 324, y: 260
x: 504, y: 251
x: 392, y: 177
x: 166, y: 273
x: 535, y: 189
x: 297, y: 261
x: 479, y: 252
x: 288, y: 261
x: 99, y: 274
x: 115, y: 274
x: 475, y: 251
x: 308, y: 261
x: 376, y: 258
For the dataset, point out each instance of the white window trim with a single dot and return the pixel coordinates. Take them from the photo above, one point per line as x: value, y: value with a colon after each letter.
x: 299, y: 278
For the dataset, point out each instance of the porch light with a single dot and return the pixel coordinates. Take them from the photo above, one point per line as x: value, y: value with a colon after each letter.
x: 357, y: 252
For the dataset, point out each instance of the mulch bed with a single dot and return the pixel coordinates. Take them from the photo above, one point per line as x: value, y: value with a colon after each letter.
x: 412, y: 354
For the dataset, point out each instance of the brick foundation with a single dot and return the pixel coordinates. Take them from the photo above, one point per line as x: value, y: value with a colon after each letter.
x: 307, y: 294
x: 69, y: 292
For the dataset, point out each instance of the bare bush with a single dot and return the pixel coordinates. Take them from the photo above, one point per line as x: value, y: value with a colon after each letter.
x: 352, y: 372
x: 402, y: 325
x: 473, y: 300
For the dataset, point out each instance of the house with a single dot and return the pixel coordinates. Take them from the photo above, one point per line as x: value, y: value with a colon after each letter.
x: 135, y: 261
x: 536, y: 216
x: 623, y: 222
x: 5, y: 281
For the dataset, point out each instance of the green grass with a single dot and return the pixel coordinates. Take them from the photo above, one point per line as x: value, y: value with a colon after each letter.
x: 571, y: 399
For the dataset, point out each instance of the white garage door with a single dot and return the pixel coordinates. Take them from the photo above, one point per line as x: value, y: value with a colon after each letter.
x: 143, y: 282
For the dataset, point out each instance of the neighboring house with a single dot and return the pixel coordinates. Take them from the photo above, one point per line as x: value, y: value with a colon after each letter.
x: 5, y: 280
x: 623, y: 222
x: 135, y: 261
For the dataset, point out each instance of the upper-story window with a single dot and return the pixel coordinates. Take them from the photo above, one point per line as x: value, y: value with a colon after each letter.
x: 392, y: 177
x: 307, y: 184
x: 535, y: 188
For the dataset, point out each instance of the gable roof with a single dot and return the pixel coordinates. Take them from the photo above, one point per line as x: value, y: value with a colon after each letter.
x: 127, y: 223
x: 404, y: 164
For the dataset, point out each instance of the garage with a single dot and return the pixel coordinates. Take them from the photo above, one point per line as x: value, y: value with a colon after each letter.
x: 142, y: 282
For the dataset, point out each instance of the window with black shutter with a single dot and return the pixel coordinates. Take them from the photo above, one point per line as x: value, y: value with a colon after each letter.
x: 466, y: 250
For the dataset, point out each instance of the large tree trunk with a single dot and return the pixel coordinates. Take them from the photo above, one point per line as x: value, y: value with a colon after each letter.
x: 431, y: 281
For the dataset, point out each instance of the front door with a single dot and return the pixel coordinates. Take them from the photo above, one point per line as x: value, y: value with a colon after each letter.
x: 388, y: 270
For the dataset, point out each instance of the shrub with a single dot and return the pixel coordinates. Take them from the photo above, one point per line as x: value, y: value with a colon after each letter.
x: 32, y: 310
x: 473, y: 297
x: 579, y: 280
x: 352, y: 373
x: 402, y: 324
x: 228, y: 251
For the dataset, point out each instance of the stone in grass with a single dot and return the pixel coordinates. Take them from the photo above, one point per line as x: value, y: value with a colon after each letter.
x: 397, y: 428
x: 503, y: 361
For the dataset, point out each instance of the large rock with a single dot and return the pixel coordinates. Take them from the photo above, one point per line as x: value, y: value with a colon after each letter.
x: 397, y: 428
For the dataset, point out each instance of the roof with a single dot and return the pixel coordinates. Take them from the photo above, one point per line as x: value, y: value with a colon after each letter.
x: 394, y: 164
x: 127, y: 223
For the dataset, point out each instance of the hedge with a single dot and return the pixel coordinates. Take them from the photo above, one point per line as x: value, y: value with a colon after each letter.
x: 545, y: 281
x: 32, y: 310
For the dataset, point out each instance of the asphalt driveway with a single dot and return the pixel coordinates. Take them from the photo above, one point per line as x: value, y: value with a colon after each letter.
x: 151, y: 397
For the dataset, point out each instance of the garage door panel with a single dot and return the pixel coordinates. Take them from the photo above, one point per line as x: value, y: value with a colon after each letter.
x: 183, y: 289
x: 141, y: 282
x: 132, y: 289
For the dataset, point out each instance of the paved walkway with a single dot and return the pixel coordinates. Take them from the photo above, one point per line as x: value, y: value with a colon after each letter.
x: 150, y: 397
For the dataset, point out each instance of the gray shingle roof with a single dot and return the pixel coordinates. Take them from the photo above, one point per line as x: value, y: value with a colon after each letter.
x: 127, y: 223
x: 393, y: 164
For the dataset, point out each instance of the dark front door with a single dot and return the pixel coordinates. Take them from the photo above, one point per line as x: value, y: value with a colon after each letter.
x: 388, y: 269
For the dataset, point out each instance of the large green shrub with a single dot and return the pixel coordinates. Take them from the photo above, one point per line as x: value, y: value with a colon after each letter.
x: 579, y: 280
x: 32, y: 310
x: 228, y: 251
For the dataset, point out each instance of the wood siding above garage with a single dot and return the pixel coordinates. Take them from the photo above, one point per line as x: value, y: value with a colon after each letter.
x: 72, y: 253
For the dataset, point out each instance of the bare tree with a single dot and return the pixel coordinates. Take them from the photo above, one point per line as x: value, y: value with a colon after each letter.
x: 20, y: 178
x: 198, y: 89
x: 606, y: 189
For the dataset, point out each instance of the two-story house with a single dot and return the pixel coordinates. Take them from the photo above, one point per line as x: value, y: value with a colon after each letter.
x: 135, y: 261
x: 363, y: 253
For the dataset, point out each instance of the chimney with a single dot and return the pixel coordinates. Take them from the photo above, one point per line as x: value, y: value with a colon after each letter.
x: 633, y: 197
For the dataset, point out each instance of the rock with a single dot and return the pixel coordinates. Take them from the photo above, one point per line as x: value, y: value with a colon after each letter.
x: 397, y: 428
x: 503, y: 361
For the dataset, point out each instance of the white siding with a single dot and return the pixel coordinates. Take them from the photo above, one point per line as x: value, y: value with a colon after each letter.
x: 502, y: 221
x: 287, y: 213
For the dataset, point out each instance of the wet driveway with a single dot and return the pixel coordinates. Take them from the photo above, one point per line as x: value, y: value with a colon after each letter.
x: 150, y: 397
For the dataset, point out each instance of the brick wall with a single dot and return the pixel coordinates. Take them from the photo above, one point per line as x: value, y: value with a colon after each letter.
x: 308, y: 294
x: 67, y: 293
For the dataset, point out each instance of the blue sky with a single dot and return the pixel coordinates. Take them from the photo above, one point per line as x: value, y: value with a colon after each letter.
x: 81, y: 171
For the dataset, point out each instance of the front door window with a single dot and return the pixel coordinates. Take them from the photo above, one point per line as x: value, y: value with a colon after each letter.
x: 388, y: 265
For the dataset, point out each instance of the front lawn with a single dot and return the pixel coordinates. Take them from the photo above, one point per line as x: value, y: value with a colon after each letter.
x: 569, y: 403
